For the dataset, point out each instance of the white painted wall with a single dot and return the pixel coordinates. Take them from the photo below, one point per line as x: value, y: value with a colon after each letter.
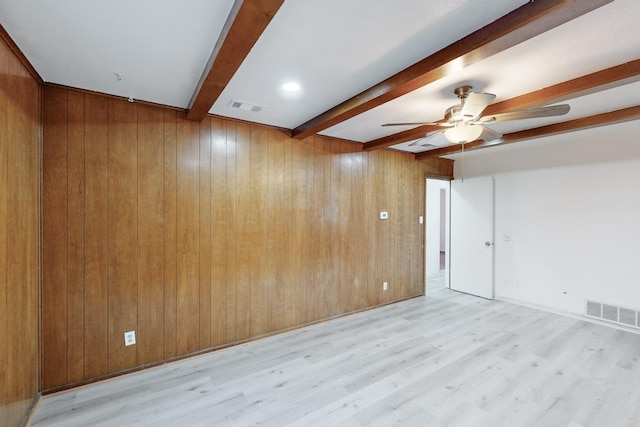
x: 571, y: 207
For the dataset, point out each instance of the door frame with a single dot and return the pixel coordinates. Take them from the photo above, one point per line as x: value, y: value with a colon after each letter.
x: 447, y: 227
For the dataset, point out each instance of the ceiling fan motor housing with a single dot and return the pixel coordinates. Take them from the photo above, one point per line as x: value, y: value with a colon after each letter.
x: 454, y: 114
x: 463, y: 91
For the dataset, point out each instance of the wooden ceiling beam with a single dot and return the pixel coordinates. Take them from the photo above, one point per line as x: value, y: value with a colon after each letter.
x: 619, y: 75
x: 609, y: 118
x: 19, y: 54
x: 246, y: 22
x: 529, y: 20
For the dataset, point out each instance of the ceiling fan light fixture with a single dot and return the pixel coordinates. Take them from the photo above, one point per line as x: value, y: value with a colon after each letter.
x: 463, y: 132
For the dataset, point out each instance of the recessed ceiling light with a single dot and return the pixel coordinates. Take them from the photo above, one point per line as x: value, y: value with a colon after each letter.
x: 291, y: 87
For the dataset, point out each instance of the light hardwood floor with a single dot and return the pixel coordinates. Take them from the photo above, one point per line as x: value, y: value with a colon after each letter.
x: 448, y: 359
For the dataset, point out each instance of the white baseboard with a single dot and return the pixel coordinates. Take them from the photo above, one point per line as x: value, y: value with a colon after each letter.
x: 566, y: 314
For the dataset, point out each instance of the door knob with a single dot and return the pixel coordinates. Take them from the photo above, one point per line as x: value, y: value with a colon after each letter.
x: 487, y: 243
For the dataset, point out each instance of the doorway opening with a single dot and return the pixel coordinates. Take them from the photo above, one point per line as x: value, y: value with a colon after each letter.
x: 437, y: 235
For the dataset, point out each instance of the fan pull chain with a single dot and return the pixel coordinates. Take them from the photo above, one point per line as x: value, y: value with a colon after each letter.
x: 462, y: 160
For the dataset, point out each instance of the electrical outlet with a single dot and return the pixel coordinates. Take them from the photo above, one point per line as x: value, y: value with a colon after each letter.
x: 129, y: 338
x: 384, y: 215
x: 385, y: 286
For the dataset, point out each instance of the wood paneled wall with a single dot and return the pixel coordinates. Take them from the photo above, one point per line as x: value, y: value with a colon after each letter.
x: 19, y: 238
x: 197, y: 235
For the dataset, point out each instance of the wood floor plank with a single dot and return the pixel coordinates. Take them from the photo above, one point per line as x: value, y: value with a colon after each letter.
x: 414, y: 363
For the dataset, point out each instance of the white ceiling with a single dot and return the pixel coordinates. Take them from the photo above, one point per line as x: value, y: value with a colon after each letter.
x: 333, y: 48
x: 159, y: 47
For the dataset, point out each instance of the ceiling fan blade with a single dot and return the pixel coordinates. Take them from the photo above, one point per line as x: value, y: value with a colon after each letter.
x: 531, y: 113
x: 443, y: 124
x: 428, y: 137
x: 488, y: 134
x: 475, y: 103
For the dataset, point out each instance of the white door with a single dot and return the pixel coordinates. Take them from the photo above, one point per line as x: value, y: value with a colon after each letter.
x: 471, y: 262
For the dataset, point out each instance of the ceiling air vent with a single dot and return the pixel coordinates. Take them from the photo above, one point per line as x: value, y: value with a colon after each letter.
x: 245, y: 106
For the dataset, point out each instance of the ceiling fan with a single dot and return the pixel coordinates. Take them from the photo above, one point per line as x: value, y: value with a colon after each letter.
x: 464, y: 122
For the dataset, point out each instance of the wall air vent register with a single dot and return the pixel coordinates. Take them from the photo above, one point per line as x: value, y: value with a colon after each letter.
x: 613, y: 313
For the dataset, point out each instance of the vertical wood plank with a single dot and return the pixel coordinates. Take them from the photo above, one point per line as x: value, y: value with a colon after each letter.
x: 391, y: 273
x: 19, y: 226
x: 170, y: 324
x: 331, y: 269
x: 188, y: 290
x: 403, y: 193
x: 347, y: 285
x: 96, y: 231
x: 150, y: 218
x: 54, y: 239
x: 259, y: 250
x: 299, y: 237
x: 34, y: 120
x: 29, y: 355
x: 388, y: 201
x: 378, y: 226
x: 244, y: 215
x: 360, y: 230
x: 5, y: 333
x: 411, y: 236
x: 205, y: 235
x: 368, y: 216
x: 123, y: 233
x: 75, y: 238
x: 335, y: 186
x: 418, y: 180
x: 315, y: 297
x: 324, y: 210
x: 343, y: 287
x: 277, y: 230
x: 309, y: 261
x: 218, y: 229
x: 225, y: 132
x: 288, y: 273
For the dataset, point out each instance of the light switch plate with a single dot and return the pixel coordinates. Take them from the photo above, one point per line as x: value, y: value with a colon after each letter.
x: 384, y: 215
